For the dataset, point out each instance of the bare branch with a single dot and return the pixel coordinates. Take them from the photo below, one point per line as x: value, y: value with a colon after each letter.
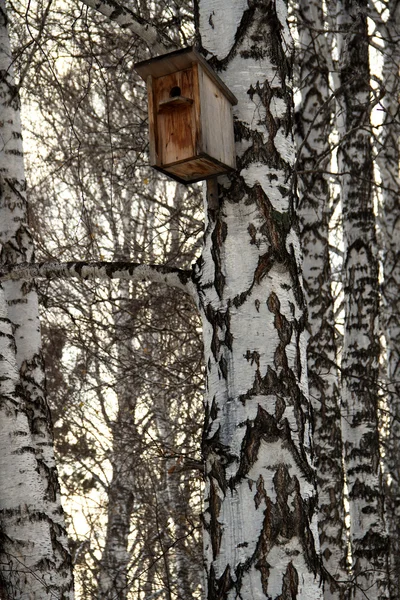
x: 126, y: 18
x: 179, y: 278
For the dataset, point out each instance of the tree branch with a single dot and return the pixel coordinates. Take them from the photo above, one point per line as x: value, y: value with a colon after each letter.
x: 178, y: 278
x: 157, y: 43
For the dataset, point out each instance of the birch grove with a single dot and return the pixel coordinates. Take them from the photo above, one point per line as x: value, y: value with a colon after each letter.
x: 222, y: 371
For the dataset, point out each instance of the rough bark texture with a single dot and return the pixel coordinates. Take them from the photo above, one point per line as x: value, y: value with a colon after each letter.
x: 388, y: 158
x: 360, y: 361
x: 51, y: 558
x: 313, y: 130
x: 260, y: 505
x: 26, y: 552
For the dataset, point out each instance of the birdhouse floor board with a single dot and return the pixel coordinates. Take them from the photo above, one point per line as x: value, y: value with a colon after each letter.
x: 194, y: 170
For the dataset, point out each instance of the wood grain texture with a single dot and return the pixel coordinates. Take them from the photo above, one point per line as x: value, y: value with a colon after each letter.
x: 216, y: 121
x: 176, y: 134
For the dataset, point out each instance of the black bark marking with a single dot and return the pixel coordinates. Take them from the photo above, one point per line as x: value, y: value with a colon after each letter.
x: 218, y: 237
x: 218, y: 588
x: 253, y: 234
x: 215, y: 529
x: 290, y: 584
x: 214, y: 410
x: 220, y: 321
x: 253, y: 357
x: 264, y: 427
x: 223, y: 367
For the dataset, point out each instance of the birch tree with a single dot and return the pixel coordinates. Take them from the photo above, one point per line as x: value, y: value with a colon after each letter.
x: 387, y: 152
x: 314, y: 125
x: 260, y: 509
x: 34, y: 555
x: 360, y: 361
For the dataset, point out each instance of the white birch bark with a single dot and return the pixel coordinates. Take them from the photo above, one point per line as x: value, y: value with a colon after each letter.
x: 313, y: 130
x: 22, y: 311
x: 388, y: 158
x: 162, y: 274
x: 27, y: 566
x: 260, y: 505
x: 360, y: 360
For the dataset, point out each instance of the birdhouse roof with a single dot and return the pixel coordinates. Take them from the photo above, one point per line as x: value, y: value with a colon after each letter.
x: 178, y: 61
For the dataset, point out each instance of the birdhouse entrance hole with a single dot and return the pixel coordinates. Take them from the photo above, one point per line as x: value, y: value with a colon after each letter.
x: 175, y: 91
x: 190, y: 117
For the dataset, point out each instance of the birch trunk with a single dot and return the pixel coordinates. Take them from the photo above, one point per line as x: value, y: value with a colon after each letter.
x: 113, y: 576
x: 260, y: 504
x: 174, y: 507
x: 388, y: 158
x: 360, y: 361
x: 54, y: 568
x: 26, y: 553
x: 313, y: 130
x: 173, y: 512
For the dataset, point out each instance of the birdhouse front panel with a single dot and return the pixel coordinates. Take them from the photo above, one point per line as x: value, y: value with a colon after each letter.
x: 190, y: 117
x: 175, y: 116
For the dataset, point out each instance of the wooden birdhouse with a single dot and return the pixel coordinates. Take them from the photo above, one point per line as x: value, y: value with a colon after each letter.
x: 190, y: 117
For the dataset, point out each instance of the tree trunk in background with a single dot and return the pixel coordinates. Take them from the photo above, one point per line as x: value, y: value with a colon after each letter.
x: 113, y: 575
x: 174, y: 507
x: 388, y: 158
x: 47, y: 558
x: 360, y: 361
x: 173, y: 510
x: 260, y: 504
x: 313, y: 130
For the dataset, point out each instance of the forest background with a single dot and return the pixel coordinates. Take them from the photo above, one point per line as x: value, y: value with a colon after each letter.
x: 124, y: 360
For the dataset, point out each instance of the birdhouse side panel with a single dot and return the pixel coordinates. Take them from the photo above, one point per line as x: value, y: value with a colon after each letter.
x: 153, y: 144
x: 216, y: 122
x: 174, y: 106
